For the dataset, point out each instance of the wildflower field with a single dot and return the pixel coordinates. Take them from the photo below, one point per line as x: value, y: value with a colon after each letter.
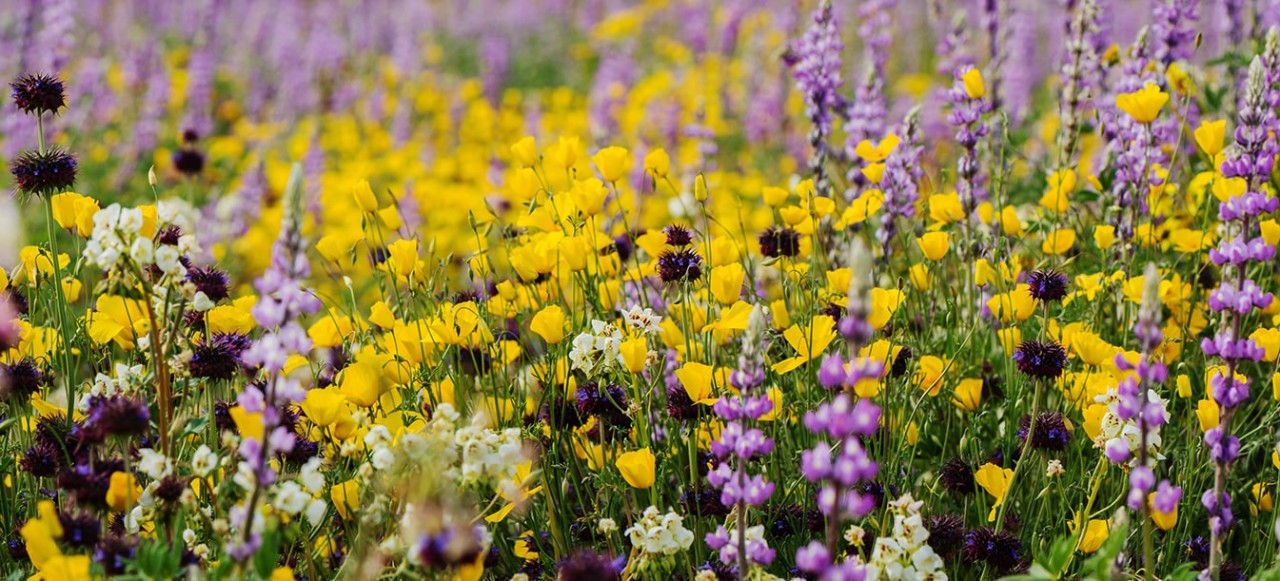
x: 678, y: 290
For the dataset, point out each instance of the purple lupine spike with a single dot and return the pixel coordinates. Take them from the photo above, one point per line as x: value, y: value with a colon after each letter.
x: 1173, y: 29
x: 967, y: 117
x: 900, y: 182
x: 816, y: 62
x: 1250, y: 158
x: 1081, y: 75
x: 1132, y: 145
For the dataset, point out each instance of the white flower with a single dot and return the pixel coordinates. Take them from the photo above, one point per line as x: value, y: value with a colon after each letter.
x: 291, y: 498
x: 1054, y: 469
x: 316, y: 510
x: 154, y: 464
x: 167, y: 260
x: 606, y: 526
x: 660, y: 534
x: 204, y: 461
x: 311, y: 476
x: 142, y: 251
x: 201, y: 303
x: 189, y: 537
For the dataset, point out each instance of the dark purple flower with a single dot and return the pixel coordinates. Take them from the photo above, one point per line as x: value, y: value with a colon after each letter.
x: 210, y: 281
x: 1050, y: 431
x: 44, y: 173
x: 680, y: 265
x: 1000, y: 550
x: 36, y: 93
x: 218, y: 357
x: 946, y: 534
x: 114, y: 554
x: 587, y: 566
x: 957, y: 476
x: 776, y: 242
x: 188, y: 161
x: 118, y: 415
x: 80, y: 530
x: 678, y: 236
x: 21, y: 378
x: 1047, y: 285
x: 1040, y: 360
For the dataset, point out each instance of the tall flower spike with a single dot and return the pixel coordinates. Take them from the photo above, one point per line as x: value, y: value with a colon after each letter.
x: 816, y: 65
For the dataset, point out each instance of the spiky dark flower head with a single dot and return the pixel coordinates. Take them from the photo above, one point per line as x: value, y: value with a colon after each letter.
x: 20, y: 379
x: 1047, y: 285
x: 210, y: 281
x: 118, y: 415
x: 680, y: 265
x: 900, y: 362
x: 946, y: 534
x: 1000, y: 550
x: 44, y: 174
x: 957, y: 476
x: 37, y: 93
x: 775, y: 242
x: 1198, y: 551
x: 88, y: 483
x: 679, y: 405
x: 17, y: 548
x: 678, y: 236
x: 1050, y: 431
x: 623, y: 245
x: 587, y: 566
x: 188, y: 161
x: 190, y: 136
x: 114, y: 554
x: 169, y: 490
x: 303, y: 450
x: 1040, y: 360
x: 222, y: 417
x: 169, y: 235
x: 219, y: 356
x: 41, y: 460
x: 80, y: 530
x: 561, y: 414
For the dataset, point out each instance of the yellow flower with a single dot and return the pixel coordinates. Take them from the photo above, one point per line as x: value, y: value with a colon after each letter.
x: 638, y: 467
x: 525, y: 152
x: 697, y: 381
x: 402, y: 257
x: 1261, y: 499
x: 613, y: 162
x: 928, y: 376
x: 862, y: 207
x: 1094, y: 534
x: 365, y: 200
x: 994, y: 480
x: 884, y: 304
x: 920, y: 277
x: 324, y: 406
x: 1104, y: 236
x: 1184, y: 386
x: 1144, y: 104
x: 588, y: 195
x: 657, y: 163
x: 1164, y: 520
x: 875, y: 153
x: 968, y: 394
x: 774, y: 197
x: 934, y: 245
x: 1057, y: 197
x: 808, y: 343
x: 282, y: 574
x: 1210, y: 136
x: 700, y: 188
x: 726, y: 282
x: 345, y: 497
x: 1207, y: 413
x: 1058, y: 241
x: 946, y: 208
x: 635, y: 354
x: 973, y: 85
x: 123, y: 491
x: 66, y: 568
x: 874, y: 172
x: 41, y: 534
x: 549, y: 324
x: 380, y: 314
x: 73, y: 211
x: 1016, y: 305
x: 118, y: 319
x: 1010, y: 224
x: 249, y: 424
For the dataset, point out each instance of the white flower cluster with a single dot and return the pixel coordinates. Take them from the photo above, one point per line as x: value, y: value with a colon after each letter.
x: 1127, y: 431
x: 598, y: 352
x: 127, y: 379
x: 643, y: 320
x: 660, y: 534
x: 907, y: 554
x: 488, y: 456
x: 303, y: 495
x: 116, y: 235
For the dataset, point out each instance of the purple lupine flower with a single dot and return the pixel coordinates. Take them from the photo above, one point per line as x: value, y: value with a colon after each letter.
x: 1132, y: 144
x: 738, y: 444
x: 816, y: 64
x: 868, y: 108
x: 283, y: 301
x: 966, y: 116
x: 1081, y: 75
x: 1173, y: 29
x: 902, y: 173
x: 1251, y: 158
x: 839, y: 465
